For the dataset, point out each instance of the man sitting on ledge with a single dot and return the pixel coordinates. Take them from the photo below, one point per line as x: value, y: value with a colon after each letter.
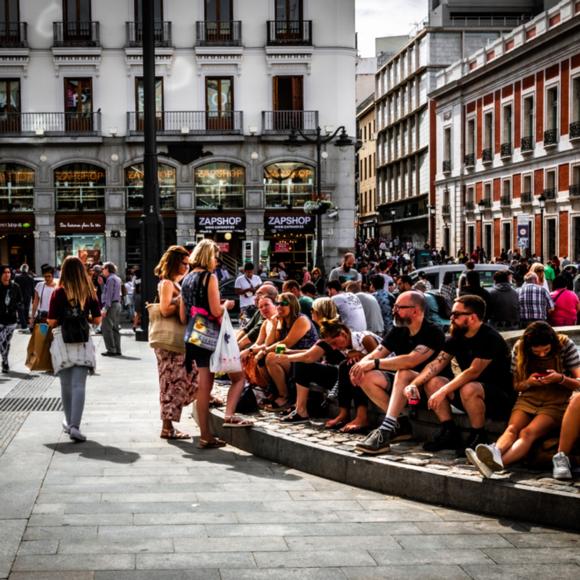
x: 407, y: 348
x: 484, y: 385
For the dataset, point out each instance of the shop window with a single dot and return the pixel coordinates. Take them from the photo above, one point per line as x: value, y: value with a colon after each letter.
x: 288, y: 184
x: 219, y: 186
x: 135, y: 180
x: 88, y: 248
x: 80, y: 187
x: 16, y: 187
x: 9, y: 105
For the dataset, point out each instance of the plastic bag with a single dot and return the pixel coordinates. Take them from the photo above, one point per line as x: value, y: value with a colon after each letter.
x: 226, y: 357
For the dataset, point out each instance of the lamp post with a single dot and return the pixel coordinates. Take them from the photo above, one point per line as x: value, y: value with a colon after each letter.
x: 151, y: 224
x: 542, y: 202
x: 481, y: 206
x: 393, y: 214
x: 432, y: 224
x: 318, y: 141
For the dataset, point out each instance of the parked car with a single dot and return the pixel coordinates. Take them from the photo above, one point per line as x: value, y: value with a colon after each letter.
x: 228, y: 292
x: 435, y: 273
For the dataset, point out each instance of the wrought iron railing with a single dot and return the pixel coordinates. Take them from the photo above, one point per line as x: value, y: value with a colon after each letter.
x: 549, y: 193
x: 574, y: 190
x: 505, y: 201
x: 446, y: 210
x: 13, y: 35
x: 575, y: 130
x: 527, y: 144
x: 76, y: 33
x: 527, y: 197
x: 469, y: 206
x: 550, y: 137
x: 506, y: 150
x: 290, y: 32
x: 486, y: 203
x: 190, y: 123
x: 469, y: 160
x: 50, y: 124
x: 218, y: 33
x: 487, y: 155
x: 446, y: 166
x: 161, y: 34
x: 284, y: 121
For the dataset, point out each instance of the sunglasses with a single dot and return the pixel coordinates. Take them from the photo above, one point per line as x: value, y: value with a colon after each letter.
x: 282, y: 303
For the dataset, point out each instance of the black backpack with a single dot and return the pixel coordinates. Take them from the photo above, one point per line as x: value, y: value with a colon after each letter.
x: 75, y: 326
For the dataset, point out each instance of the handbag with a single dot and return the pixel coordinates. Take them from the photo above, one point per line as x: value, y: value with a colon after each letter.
x: 226, y: 357
x: 65, y: 354
x: 165, y: 332
x: 38, y: 351
x: 251, y: 371
x: 202, y: 328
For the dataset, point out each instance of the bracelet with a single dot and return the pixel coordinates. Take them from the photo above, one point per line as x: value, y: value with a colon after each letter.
x: 561, y: 381
x: 377, y: 364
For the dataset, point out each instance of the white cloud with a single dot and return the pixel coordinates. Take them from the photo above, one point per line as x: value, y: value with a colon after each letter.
x: 386, y: 18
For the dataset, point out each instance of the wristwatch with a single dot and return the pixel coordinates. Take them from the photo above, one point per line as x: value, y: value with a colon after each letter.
x: 377, y: 364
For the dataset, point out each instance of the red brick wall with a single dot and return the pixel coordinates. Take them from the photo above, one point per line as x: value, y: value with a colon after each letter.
x: 563, y: 233
x: 517, y: 115
x: 517, y: 185
x: 539, y: 107
x: 496, y: 189
x: 478, y: 237
x: 563, y: 177
x: 565, y: 98
x: 552, y: 71
x: 478, y: 191
x: 538, y: 181
x: 537, y: 241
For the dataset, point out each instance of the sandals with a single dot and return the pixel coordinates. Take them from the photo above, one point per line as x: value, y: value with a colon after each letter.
x: 215, y: 402
x: 173, y: 434
x: 235, y: 421
x: 294, y: 418
x: 275, y: 407
x: 216, y: 443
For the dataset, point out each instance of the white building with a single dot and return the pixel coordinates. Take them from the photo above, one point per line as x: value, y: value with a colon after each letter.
x: 233, y: 78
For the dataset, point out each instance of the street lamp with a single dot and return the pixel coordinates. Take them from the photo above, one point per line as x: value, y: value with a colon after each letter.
x: 481, y: 206
x: 393, y: 214
x: 318, y: 140
x: 542, y: 202
x: 432, y: 224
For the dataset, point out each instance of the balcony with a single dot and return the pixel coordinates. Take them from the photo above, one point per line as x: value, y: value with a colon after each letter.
x: 289, y: 32
x: 574, y: 130
x: 505, y: 201
x: 134, y: 198
x: 68, y: 34
x: 75, y: 198
x: 487, y: 156
x: 527, y: 145
x: 287, y: 196
x: 469, y: 160
x: 551, y: 138
x: 220, y: 197
x: 446, y: 210
x: 185, y: 123
x: 50, y: 124
x: 446, y: 166
x: 574, y: 190
x: 549, y: 193
x: 16, y: 198
x: 13, y: 35
x: 469, y: 206
x: 161, y: 34
x: 218, y: 33
x: 283, y: 122
x: 506, y: 150
x: 485, y: 203
x: 526, y: 197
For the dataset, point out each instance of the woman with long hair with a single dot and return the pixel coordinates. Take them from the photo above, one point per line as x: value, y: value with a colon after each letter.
x: 200, y: 289
x: 10, y: 300
x: 177, y: 386
x: 538, y: 269
x: 75, y: 295
x: 546, y: 369
x: 317, y: 279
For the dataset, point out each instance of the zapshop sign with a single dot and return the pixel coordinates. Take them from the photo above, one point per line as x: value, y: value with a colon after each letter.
x: 220, y: 223
x: 277, y: 223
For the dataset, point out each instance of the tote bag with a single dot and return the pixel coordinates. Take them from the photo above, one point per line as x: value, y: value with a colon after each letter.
x: 165, y: 332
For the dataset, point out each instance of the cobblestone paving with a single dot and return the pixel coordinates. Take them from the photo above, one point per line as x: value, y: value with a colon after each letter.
x: 127, y: 505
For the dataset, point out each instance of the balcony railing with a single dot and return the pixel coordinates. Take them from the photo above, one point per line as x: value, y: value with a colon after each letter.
x: 447, y: 166
x: 485, y: 203
x: 76, y: 33
x: 289, y: 32
x: 13, y: 35
x: 284, y: 121
x: 218, y: 33
x: 487, y: 155
x: 527, y: 144
x: 506, y: 150
x: 161, y: 34
x: 190, y: 123
x: 574, y: 190
x: 75, y: 198
x: 575, y: 130
x: 469, y: 206
x: 220, y: 197
x: 550, y: 137
x: 505, y: 201
x: 527, y: 197
x: 446, y: 210
x: 50, y: 124
x: 16, y: 198
x: 469, y: 160
x: 134, y: 199
x: 287, y: 196
x: 550, y: 193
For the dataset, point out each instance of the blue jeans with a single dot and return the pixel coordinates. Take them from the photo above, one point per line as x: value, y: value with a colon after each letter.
x: 72, y: 388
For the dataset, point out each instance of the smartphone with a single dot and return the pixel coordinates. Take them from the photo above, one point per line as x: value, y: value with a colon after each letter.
x: 542, y: 374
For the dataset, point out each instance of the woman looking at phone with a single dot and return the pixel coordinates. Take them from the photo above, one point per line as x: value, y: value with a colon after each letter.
x: 546, y: 367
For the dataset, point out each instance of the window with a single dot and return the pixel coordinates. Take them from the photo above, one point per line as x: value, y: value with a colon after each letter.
x: 576, y: 176
x: 488, y: 131
x: 507, y: 125
x: 488, y: 240
x: 9, y: 106
x: 487, y: 192
x: 552, y: 109
x: 288, y: 102
x: 575, y: 105
x: 140, y: 106
x: 528, y: 117
x: 78, y: 104
x: 288, y: 184
x: 527, y: 184
x: 551, y: 237
x: 80, y: 187
x: 75, y: 11
x: 135, y: 179
x: 219, y: 102
x: 288, y: 10
x: 157, y: 10
x: 470, y: 239
x: 470, y: 150
x: 550, y: 191
x: 506, y: 236
x: 219, y: 185
x: 16, y: 187
x: 506, y: 198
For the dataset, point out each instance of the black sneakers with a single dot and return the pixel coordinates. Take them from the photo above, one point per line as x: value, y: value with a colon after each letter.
x: 476, y: 437
x: 377, y: 442
x: 447, y: 438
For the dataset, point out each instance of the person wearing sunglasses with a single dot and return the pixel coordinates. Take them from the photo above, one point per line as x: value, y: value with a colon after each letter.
x: 484, y: 386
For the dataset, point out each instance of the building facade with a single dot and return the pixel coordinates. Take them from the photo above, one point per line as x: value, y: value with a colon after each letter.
x: 508, y: 142
x: 405, y: 122
x: 366, y: 170
x: 233, y: 79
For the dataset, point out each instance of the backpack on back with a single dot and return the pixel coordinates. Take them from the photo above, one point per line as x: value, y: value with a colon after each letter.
x: 75, y: 326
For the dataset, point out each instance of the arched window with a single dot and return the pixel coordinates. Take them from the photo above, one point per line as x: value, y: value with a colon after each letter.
x: 288, y: 184
x: 16, y: 187
x: 80, y: 187
x: 134, y: 181
x: 219, y: 186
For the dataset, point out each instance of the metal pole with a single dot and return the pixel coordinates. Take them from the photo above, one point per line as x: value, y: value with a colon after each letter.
x: 151, y: 224
x: 319, y: 252
x: 542, y: 234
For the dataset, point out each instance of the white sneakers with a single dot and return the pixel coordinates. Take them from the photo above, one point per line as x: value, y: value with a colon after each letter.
x: 562, y: 468
x: 487, y: 459
x: 76, y: 435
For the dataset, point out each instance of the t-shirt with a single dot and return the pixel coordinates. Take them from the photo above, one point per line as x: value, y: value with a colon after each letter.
x: 351, y: 310
x: 487, y: 344
x: 399, y: 341
x: 343, y: 276
x: 565, y: 303
x: 373, y: 313
x: 331, y: 355
x: 59, y: 303
x: 306, y: 305
x: 244, y: 283
x: 44, y: 294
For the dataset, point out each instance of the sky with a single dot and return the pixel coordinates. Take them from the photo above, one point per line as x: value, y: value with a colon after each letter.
x: 385, y: 18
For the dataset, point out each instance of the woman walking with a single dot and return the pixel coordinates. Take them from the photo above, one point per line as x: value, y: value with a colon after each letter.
x: 177, y: 386
x: 10, y: 300
x: 200, y: 290
x: 73, y: 304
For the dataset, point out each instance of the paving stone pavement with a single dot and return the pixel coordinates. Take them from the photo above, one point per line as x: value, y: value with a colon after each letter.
x: 127, y: 505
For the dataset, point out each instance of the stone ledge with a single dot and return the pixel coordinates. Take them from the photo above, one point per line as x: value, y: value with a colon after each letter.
x: 410, y: 473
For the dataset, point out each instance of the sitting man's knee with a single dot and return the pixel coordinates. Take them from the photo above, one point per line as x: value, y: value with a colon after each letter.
x: 471, y: 391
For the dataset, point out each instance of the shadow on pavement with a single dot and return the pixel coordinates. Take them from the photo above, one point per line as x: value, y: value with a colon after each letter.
x: 96, y: 451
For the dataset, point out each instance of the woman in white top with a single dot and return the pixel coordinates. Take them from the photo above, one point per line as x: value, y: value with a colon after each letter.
x: 42, y: 295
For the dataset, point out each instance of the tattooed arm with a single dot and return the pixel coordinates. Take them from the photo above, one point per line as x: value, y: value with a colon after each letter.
x: 433, y: 368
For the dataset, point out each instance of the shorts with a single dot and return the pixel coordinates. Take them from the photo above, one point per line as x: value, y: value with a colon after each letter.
x: 323, y: 375
x: 498, y: 403
x: 201, y: 357
x: 545, y: 401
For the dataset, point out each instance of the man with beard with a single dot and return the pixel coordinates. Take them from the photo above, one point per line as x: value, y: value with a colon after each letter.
x: 411, y: 344
x: 484, y: 385
x: 346, y: 272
